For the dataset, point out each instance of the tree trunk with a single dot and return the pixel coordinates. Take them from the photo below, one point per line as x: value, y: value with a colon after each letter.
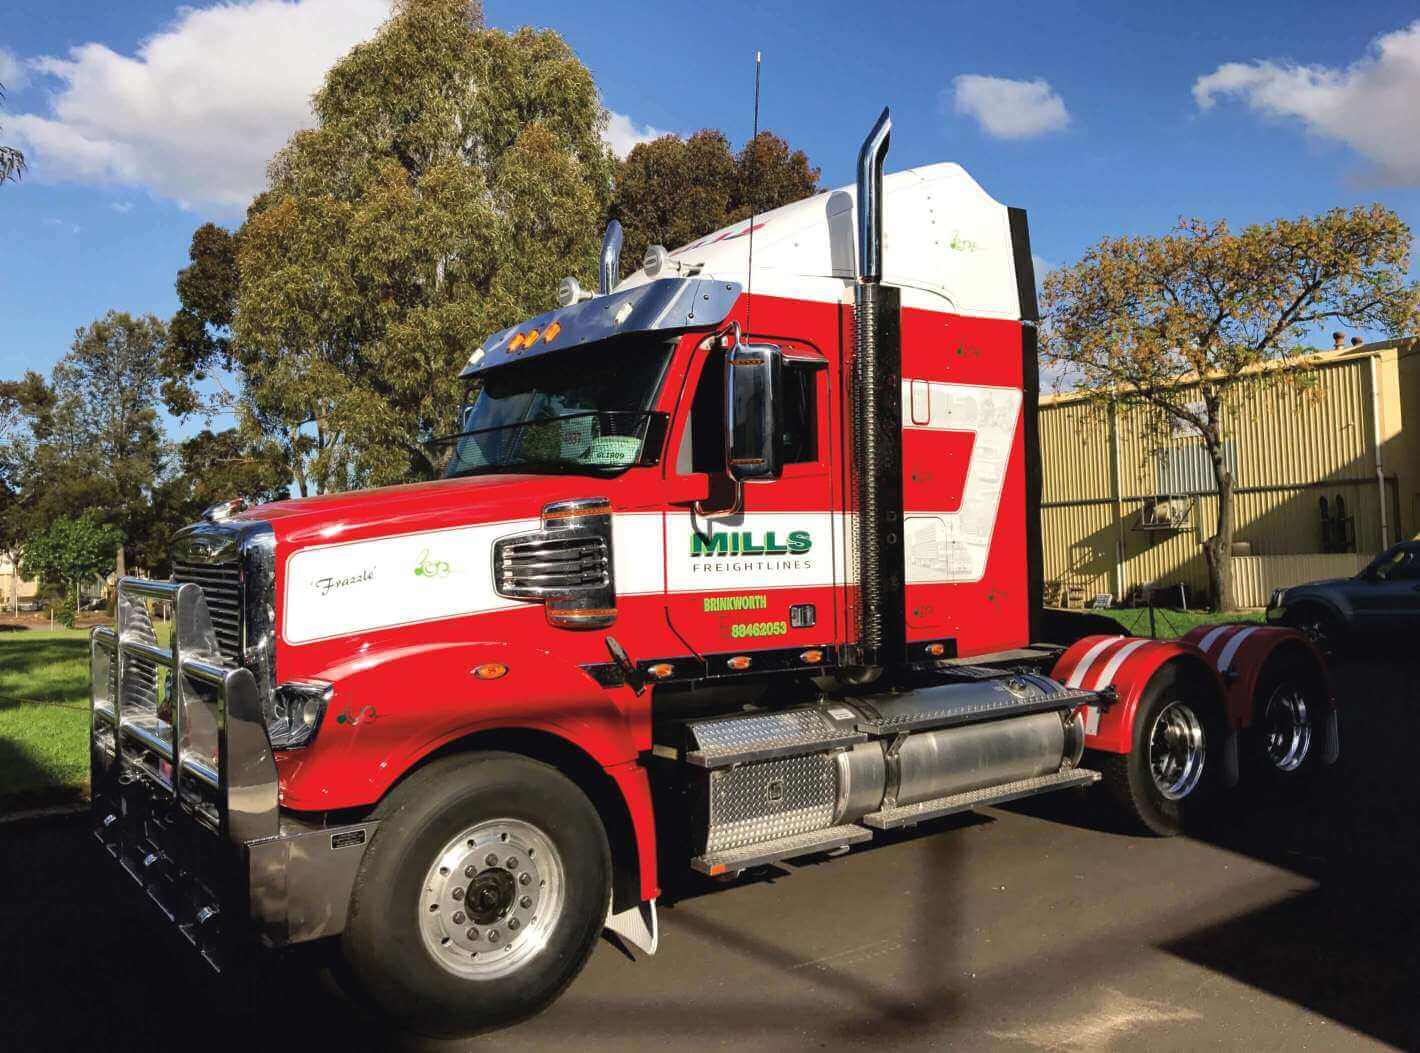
x: 1218, y: 549
x: 122, y: 565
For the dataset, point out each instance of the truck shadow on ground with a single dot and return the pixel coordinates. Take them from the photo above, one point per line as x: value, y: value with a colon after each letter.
x: 1347, y: 948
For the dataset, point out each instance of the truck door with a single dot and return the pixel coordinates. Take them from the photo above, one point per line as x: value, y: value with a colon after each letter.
x: 760, y: 583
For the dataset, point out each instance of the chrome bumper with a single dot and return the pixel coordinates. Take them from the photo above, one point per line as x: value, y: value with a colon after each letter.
x: 185, y: 790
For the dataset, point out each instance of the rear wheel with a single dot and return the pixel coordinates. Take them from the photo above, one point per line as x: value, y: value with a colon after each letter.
x: 1168, y: 778
x: 1289, y: 719
x: 481, y: 895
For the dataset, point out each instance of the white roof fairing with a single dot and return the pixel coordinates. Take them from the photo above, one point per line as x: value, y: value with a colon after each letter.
x: 946, y: 242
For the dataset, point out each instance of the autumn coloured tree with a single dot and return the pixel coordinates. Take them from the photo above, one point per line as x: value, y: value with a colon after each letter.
x: 1180, y: 322
x: 671, y: 191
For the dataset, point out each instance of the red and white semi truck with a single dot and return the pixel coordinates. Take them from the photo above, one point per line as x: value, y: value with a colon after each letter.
x: 727, y: 568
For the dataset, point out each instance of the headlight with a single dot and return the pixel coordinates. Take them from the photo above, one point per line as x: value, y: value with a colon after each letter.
x: 296, y: 716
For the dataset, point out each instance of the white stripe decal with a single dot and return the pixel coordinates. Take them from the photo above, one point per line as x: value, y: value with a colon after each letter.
x: 1226, y: 658
x: 1107, y: 677
x: 1078, y: 676
x: 1211, y: 637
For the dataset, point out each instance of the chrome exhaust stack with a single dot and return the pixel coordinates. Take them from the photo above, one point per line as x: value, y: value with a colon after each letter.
x: 610, y: 264
x: 876, y: 418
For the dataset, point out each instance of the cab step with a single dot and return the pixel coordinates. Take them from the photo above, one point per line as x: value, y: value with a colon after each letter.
x: 733, y: 860
x: 908, y: 814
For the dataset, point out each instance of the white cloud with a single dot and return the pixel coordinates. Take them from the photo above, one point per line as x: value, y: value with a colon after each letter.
x: 13, y: 74
x: 200, y: 108
x: 622, y: 133
x: 1370, y: 105
x: 1009, y: 109
x: 121, y: 207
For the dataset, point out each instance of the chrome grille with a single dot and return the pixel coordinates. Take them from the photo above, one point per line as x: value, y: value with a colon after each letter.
x: 549, y: 562
x: 222, y: 587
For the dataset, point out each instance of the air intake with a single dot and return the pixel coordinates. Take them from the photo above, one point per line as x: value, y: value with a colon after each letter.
x: 567, y: 565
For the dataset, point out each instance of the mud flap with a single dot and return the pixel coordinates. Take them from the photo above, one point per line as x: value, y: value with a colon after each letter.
x: 1230, y: 759
x: 637, y: 926
x: 1331, y: 751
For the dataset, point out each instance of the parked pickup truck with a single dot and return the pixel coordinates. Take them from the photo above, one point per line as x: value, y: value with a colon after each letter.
x: 1384, y: 599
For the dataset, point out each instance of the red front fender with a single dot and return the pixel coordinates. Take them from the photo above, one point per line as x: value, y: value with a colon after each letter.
x: 1125, y: 664
x: 389, y: 709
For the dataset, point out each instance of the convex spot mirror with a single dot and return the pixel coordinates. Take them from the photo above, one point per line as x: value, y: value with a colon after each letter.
x: 753, y: 379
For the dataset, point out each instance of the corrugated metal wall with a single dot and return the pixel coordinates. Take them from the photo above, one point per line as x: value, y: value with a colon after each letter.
x: 1291, y: 445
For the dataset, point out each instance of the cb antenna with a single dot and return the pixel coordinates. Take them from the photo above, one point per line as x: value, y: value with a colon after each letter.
x: 754, y: 198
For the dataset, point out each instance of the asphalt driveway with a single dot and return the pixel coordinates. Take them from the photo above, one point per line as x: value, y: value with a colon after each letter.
x: 1293, y: 925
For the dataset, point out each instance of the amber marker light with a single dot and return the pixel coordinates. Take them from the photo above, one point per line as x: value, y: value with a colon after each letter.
x: 517, y: 342
x: 660, y: 671
x: 532, y: 336
x: 811, y: 657
x: 550, y: 333
x: 740, y: 661
x: 490, y: 671
x: 936, y: 650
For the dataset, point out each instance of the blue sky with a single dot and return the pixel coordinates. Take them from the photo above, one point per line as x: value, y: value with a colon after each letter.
x: 1098, y: 118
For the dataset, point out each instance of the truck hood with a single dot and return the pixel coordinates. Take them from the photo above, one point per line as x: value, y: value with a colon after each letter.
x: 359, y: 514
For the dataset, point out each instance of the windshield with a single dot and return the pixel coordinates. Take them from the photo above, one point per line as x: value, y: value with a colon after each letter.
x: 583, y: 409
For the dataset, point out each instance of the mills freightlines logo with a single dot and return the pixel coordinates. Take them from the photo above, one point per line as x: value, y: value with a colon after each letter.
x: 748, y: 550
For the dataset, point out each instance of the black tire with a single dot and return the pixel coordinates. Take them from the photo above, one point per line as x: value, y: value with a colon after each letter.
x: 1289, y: 722
x: 386, y: 946
x: 1321, y: 625
x: 1128, y: 777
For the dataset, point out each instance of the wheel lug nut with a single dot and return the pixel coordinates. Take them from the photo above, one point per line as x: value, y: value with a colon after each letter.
x: 511, y: 863
x: 491, y: 860
x: 458, y: 917
x: 492, y: 935
x: 513, y: 923
x: 470, y: 870
x: 472, y: 934
x: 457, y: 893
x: 524, y: 878
x: 525, y: 902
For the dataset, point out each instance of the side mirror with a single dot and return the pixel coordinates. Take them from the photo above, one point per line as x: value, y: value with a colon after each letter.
x: 753, y: 451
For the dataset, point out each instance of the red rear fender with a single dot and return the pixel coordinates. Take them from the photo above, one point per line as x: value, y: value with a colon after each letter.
x: 1238, y: 654
x: 1126, y: 664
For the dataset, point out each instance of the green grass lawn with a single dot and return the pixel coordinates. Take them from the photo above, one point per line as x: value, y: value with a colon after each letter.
x: 1168, y: 624
x: 44, y: 717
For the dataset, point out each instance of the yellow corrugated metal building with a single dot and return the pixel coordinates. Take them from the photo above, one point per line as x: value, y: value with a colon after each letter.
x: 1326, y: 475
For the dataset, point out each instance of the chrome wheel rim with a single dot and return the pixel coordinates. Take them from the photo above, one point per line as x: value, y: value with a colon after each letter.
x: 1177, y: 751
x: 491, y: 899
x: 1287, y: 728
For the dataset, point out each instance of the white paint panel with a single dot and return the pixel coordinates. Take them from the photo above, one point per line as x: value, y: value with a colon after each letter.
x: 1083, y: 669
x: 954, y: 546
x: 638, y: 545
x: 335, y: 590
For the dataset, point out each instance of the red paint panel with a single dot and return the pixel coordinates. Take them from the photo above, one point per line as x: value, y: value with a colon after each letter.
x: 1239, y: 652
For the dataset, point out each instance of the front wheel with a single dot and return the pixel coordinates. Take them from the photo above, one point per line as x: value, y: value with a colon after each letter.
x: 1170, y: 775
x: 481, y: 896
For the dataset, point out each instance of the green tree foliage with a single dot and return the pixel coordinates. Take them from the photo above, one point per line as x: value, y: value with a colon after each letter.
x: 1179, y: 322
x: 455, y: 173
x: 71, y: 551
x: 94, y: 440
x: 12, y: 162
x: 671, y: 191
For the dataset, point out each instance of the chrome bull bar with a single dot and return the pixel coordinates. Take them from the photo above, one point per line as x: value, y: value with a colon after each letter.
x: 185, y: 791
x: 205, y: 744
